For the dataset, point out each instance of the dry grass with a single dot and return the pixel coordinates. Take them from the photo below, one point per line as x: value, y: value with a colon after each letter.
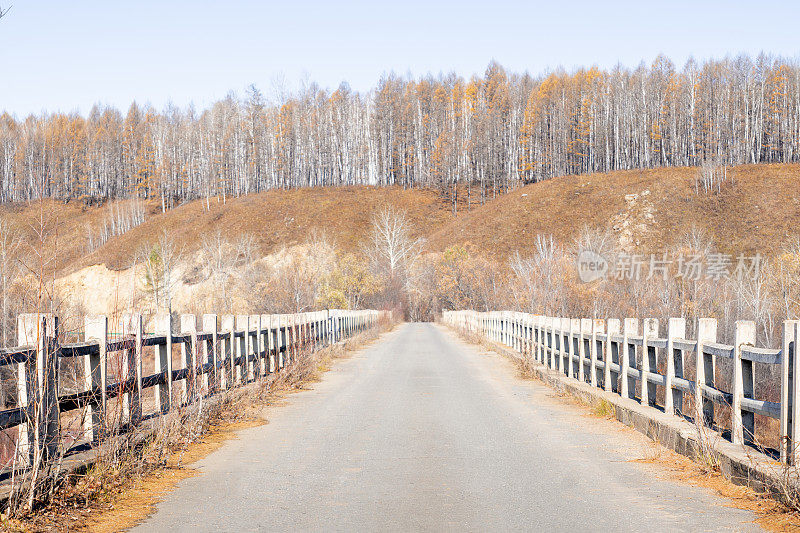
x: 603, y: 408
x: 274, y: 218
x: 755, y: 212
x: 771, y: 514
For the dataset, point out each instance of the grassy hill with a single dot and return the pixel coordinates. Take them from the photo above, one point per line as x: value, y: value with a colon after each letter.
x: 274, y: 218
x: 757, y: 209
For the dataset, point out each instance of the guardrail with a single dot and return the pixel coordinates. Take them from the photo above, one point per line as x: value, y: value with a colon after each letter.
x: 227, y: 351
x: 603, y: 353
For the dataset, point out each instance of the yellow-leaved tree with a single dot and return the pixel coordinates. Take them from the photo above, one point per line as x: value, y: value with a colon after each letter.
x: 348, y: 284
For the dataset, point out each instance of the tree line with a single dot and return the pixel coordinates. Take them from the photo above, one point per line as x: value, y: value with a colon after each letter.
x: 478, y: 136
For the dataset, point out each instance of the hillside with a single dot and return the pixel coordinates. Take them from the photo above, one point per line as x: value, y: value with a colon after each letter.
x: 756, y: 210
x: 276, y: 218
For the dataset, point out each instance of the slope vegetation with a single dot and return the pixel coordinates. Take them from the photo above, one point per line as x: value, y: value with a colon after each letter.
x: 756, y: 209
x: 275, y: 219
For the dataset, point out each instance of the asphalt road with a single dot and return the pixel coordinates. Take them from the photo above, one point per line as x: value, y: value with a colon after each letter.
x: 422, y: 432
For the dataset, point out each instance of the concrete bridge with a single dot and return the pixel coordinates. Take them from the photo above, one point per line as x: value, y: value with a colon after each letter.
x: 424, y: 432
x: 420, y: 431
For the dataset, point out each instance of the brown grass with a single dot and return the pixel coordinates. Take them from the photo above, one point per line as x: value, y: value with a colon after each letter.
x: 755, y: 211
x: 275, y: 218
x: 771, y: 514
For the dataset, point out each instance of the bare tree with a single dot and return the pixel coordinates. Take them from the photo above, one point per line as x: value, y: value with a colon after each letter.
x: 9, y: 266
x: 392, y: 247
x: 160, y: 269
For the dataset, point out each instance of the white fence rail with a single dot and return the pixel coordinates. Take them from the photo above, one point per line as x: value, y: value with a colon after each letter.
x: 224, y: 352
x: 619, y: 357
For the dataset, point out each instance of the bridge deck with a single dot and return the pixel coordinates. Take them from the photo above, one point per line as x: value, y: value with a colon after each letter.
x: 423, y: 432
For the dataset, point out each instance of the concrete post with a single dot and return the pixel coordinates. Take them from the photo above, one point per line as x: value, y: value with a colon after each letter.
x: 789, y: 368
x: 584, y: 341
x: 283, y: 339
x: 258, y: 345
x: 742, y: 422
x: 649, y: 361
x: 211, y: 379
x: 706, y: 332
x: 611, y: 356
x: 541, y: 326
x: 266, y: 345
x: 598, y: 328
x: 241, y: 352
x: 628, y: 356
x: 162, y: 325
x: 95, y: 378
x: 189, y: 358
x: 571, y: 346
x: 673, y: 396
x: 37, y: 384
x: 794, y: 423
x: 228, y: 323
x: 130, y: 330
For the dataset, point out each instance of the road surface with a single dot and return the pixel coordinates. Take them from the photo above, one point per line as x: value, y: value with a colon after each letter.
x: 423, y: 432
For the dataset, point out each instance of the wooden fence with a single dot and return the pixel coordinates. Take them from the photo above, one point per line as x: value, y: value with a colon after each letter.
x: 603, y: 353
x: 225, y: 352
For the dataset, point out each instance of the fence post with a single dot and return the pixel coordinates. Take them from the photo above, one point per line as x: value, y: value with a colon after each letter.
x: 210, y: 325
x: 39, y: 380
x: 706, y: 332
x: 552, y: 326
x: 272, y: 344
x: 541, y: 326
x: 789, y: 360
x: 628, y: 355
x: 673, y: 396
x: 283, y: 339
x: 264, y: 337
x: 189, y: 358
x: 742, y: 422
x: 563, y: 325
x: 584, y: 339
x: 131, y: 324
x: 596, y: 349
x: 96, y: 330
x: 258, y: 345
x: 162, y: 324
x: 611, y: 355
x: 243, y: 349
x: 228, y: 353
x: 649, y: 361
x: 573, y: 327
x: 528, y: 335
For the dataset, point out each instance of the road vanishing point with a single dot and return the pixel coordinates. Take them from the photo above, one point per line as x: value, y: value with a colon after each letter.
x: 421, y: 431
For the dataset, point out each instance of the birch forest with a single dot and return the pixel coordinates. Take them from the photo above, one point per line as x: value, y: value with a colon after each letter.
x: 476, y: 137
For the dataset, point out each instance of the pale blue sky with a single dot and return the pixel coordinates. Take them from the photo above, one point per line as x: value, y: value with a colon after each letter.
x: 65, y: 56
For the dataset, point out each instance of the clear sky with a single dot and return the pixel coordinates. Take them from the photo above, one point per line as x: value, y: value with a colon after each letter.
x: 65, y: 56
